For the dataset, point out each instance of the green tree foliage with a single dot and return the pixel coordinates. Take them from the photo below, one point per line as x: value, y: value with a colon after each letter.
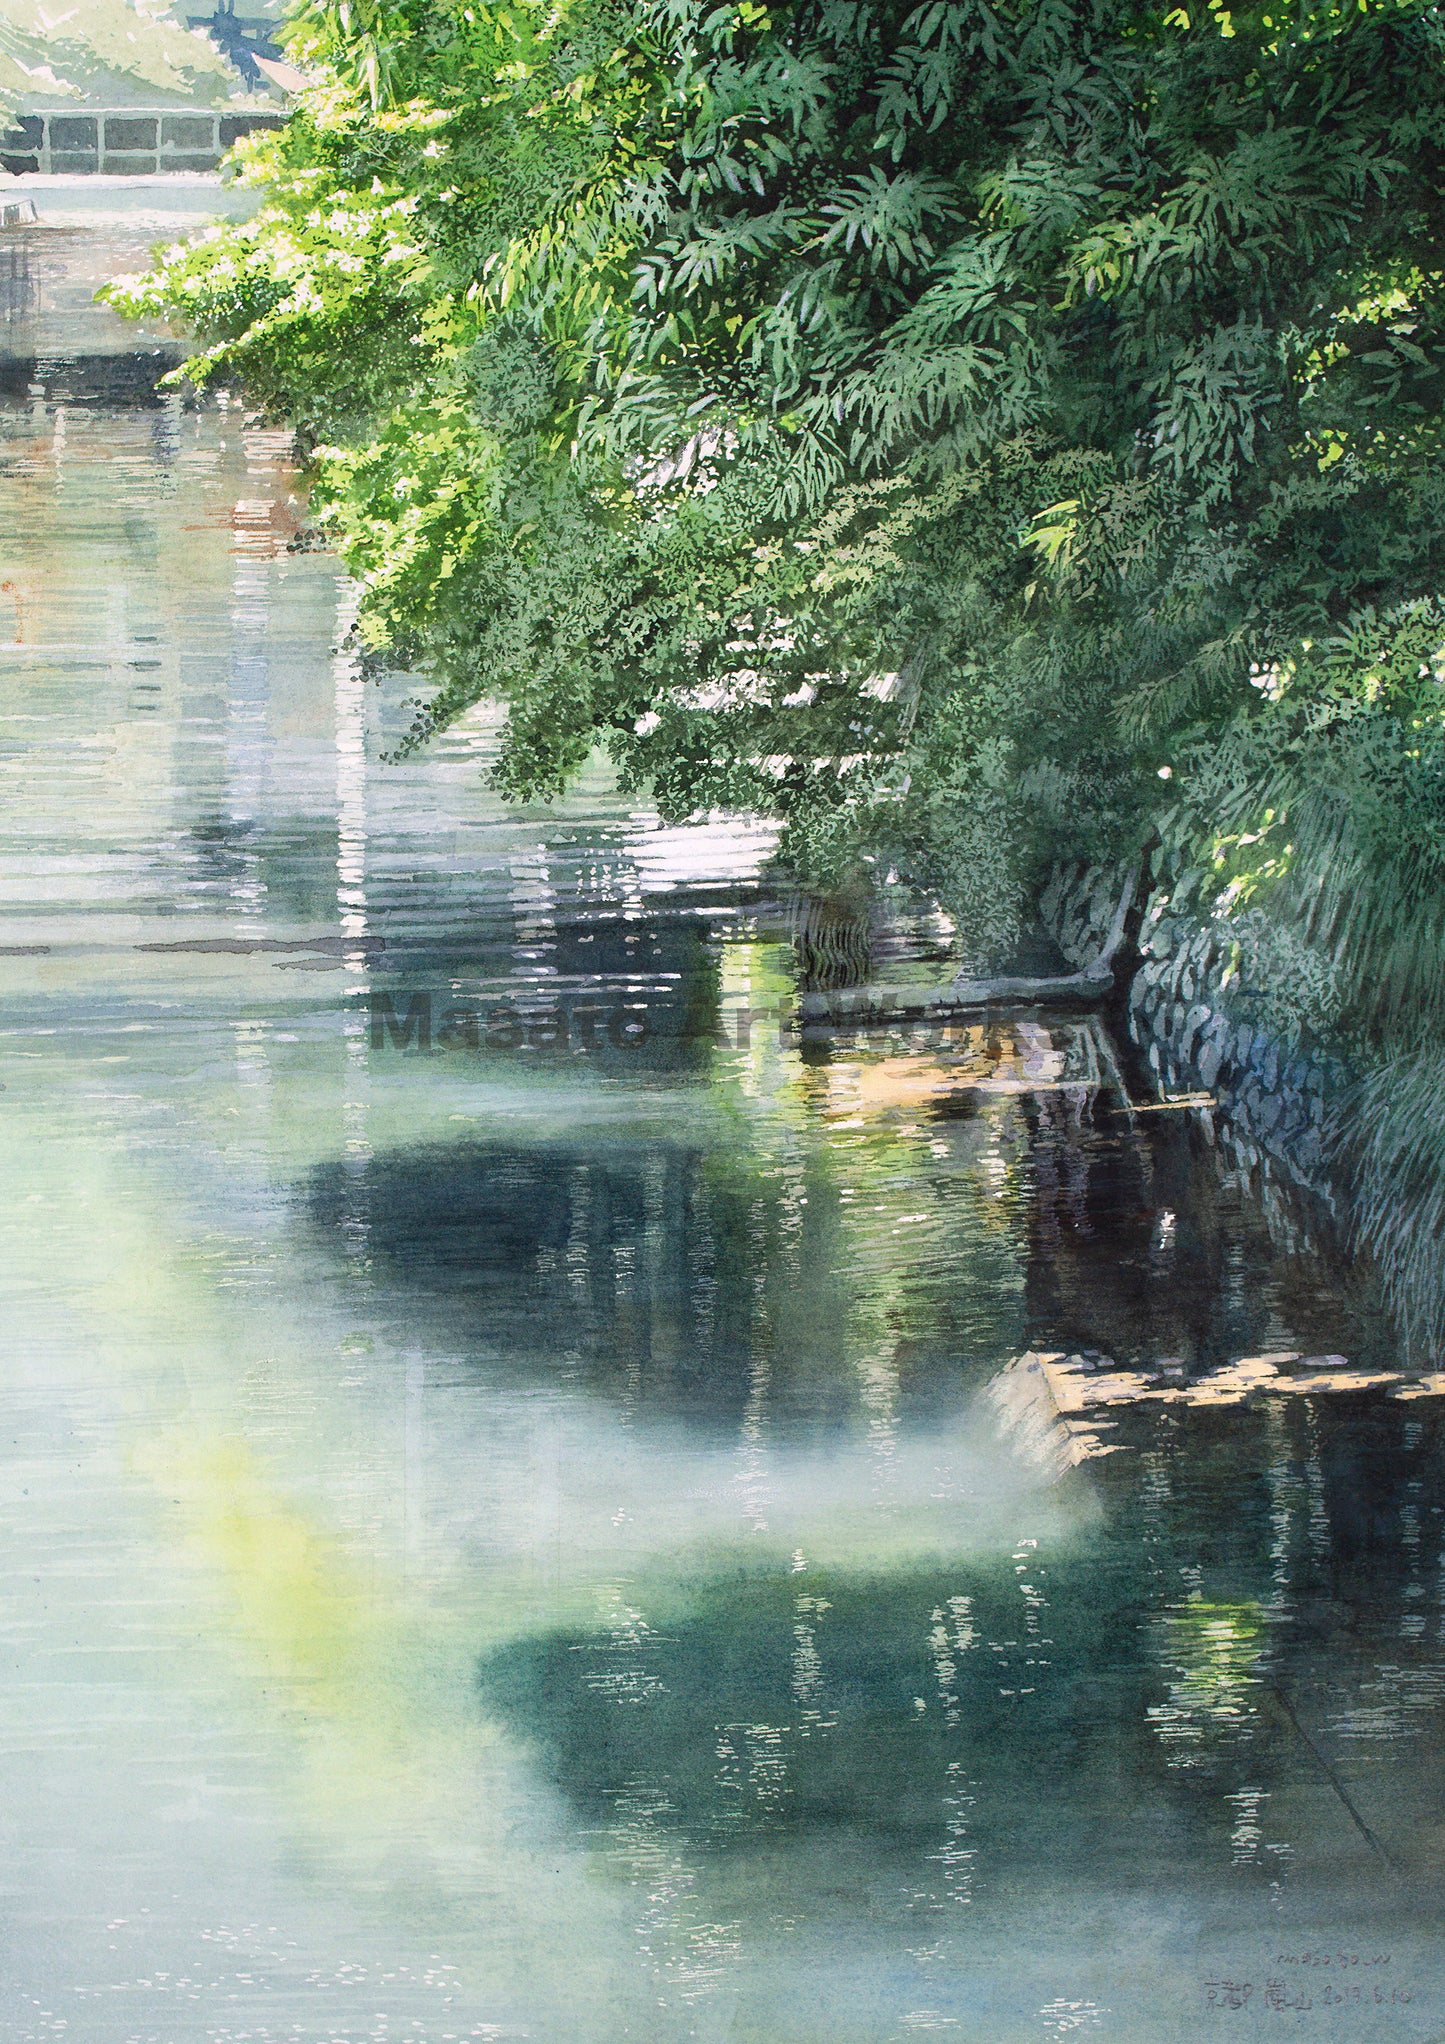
x: 979, y: 432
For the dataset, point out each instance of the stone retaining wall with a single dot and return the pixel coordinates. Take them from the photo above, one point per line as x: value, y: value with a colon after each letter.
x: 1189, y: 1014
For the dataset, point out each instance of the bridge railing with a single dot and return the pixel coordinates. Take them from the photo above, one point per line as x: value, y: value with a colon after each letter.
x: 135, y: 141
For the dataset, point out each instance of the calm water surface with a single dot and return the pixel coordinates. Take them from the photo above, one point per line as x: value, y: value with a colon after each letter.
x: 508, y: 1533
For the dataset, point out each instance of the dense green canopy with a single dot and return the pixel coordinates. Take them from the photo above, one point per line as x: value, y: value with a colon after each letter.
x: 980, y: 432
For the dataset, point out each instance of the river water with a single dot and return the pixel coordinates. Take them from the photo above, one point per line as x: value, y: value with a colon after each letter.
x: 508, y: 1532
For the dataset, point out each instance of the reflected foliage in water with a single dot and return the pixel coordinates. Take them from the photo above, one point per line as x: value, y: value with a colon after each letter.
x: 1151, y: 1710
x: 924, y: 1210
x: 670, y: 1274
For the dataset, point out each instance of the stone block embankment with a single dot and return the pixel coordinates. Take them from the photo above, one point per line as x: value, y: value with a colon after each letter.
x: 1197, y: 1025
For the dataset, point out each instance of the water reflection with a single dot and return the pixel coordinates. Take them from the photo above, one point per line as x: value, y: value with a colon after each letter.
x: 923, y: 1210
x: 510, y: 1535
x: 1153, y: 1710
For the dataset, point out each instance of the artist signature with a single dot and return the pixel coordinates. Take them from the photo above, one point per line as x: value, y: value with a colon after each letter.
x: 1281, y: 1996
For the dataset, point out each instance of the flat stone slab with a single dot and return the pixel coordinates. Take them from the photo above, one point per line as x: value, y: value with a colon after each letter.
x: 875, y: 1006
x: 1058, y: 1403
x: 1026, y: 1406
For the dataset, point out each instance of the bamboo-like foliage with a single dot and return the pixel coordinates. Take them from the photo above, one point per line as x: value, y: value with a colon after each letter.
x: 1392, y: 1132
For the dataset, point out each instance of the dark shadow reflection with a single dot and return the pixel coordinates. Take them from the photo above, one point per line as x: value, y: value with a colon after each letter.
x: 661, y: 1274
x: 1189, y: 1702
x: 902, y: 1227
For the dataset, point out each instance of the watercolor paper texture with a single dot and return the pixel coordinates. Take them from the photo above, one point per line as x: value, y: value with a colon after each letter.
x: 550, y: 1495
